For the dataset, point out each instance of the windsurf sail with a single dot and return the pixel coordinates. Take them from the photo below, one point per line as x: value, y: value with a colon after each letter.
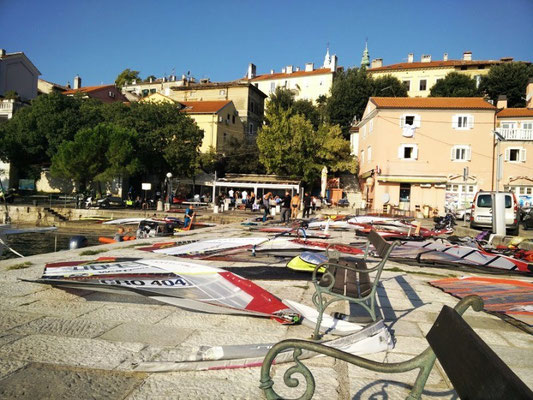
x: 185, y: 284
x: 372, y: 339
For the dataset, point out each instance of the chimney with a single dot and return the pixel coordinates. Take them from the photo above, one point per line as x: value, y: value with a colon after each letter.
x: 506, y: 59
x: 77, y: 82
x: 2, y: 52
x: 410, y: 57
x: 134, y: 82
x: 467, y: 56
x: 297, y: 69
x: 333, y: 65
x: 529, y: 94
x: 377, y: 63
x: 309, y: 67
x: 425, y: 58
x: 445, y: 57
x: 271, y: 72
x: 251, y: 71
x: 289, y: 69
x: 151, y: 80
x: 283, y: 70
x: 502, y: 101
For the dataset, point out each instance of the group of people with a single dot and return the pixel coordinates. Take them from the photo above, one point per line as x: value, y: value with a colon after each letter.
x: 290, y: 205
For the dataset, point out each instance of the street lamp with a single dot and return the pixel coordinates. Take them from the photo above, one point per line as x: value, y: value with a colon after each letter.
x: 169, y: 188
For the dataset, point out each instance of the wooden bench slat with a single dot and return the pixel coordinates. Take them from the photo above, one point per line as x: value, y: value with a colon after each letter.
x: 475, y: 371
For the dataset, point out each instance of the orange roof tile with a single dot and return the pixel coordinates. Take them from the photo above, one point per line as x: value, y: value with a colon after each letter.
x: 515, y: 112
x: 88, y: 89
x: 204, y: 107
x: 295, y: 74
x: 433, y: 64
x: 472, y: 103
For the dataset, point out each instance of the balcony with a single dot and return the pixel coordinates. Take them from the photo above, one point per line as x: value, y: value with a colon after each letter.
x: 516, y: 133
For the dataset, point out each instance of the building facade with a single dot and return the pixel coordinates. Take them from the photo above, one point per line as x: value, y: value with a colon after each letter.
x: 219, y: 120
x: 515, y: 125
x: 420, y: 76
x: 433, y: 152
x: 306, y: 84
x: 247, y: 99
x: 104, y: 93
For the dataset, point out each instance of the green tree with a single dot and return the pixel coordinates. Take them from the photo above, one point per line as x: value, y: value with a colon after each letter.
x: 242, y: 157
x: 388, y: 86
x: 96, y: 154
x: 34, y: 133
x: 282, y: 98
x: 290, y: 146
x: 455, y: 84
x: 308, y: 110
x: 350, y: 92
x: 509, y: 79
x: 152, y: 77
x: 125, y: 76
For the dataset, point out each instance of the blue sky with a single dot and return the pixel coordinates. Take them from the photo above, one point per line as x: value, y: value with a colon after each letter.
x: 217, y: 39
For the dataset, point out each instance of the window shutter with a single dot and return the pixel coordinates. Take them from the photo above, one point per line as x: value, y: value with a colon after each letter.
x: 470, y: 121
x: 402, y: 121
x: 454, y: 121
x: 468, y: 153
x: 522, y: 154
x: 400, y: 151
x: 452, y: 154
x: 507, y: 154
x: 415, y: 152
x: 417, y: 121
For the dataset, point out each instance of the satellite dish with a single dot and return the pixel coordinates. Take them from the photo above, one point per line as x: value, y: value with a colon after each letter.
x: 385, y: 198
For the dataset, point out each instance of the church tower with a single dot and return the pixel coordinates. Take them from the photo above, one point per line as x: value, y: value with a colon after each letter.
x: 365, y: 60
x: 327, y: 59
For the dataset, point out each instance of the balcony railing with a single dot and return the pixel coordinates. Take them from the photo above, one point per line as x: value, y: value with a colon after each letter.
x: 516, y: 133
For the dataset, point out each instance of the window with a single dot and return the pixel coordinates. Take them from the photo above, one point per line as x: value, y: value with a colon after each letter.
x: 463, y: 68
x: 371, y: 126
x: 460, y: 153
x: 480, y: 67
x: 527, y: 125
x: 362, y: 156
x: 252, y: 106
x: 152, y: 91
x: 256, y: 85
x: 408, y: 152
x: 407, y: 85
x: 224, y: 138
x: 508, y: 125
x: 515, y: 154
x: 462, y: 121
x: 251, y: 127
x: 364, y: 131
x: 233, y: 119
x: 423, y: 84
x: 369, y: 153
x: 272, y: 87
x: 410, y: 119
x: 111, y: 94
x: 222, y: 92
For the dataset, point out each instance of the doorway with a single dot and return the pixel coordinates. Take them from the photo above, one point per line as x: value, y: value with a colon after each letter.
x: 405, y: 196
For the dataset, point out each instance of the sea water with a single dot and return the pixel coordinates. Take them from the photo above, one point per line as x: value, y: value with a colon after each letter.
x: 29, y: 244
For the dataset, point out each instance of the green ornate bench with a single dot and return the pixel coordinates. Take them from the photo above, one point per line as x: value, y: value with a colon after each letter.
x: 475, y: 371
x: 348, y: 279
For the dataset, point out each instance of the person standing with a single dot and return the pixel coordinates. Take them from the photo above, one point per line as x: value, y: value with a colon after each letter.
x: 266, y: 205
x: 286, y: 207
x: 295, y: 206
x: 307, y: 204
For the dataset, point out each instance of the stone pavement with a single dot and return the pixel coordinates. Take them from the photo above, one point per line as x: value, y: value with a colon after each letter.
x: 79, y: 344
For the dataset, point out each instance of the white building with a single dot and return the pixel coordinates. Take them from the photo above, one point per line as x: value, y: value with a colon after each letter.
x: 307, y: 83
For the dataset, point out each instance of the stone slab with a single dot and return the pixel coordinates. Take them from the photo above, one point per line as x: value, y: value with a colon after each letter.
x: 44, y: 381
x: 11, y: 319
x: 82, y: 328
x: 158, y: 335
x: 69, y: 351
x: 128, y: 313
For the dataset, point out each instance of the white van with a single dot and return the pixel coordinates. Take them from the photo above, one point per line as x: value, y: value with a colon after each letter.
x: 481, y: 214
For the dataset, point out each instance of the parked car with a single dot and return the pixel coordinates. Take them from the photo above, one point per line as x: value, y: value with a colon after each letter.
x: 481, y: 215
x: 110, y: 202
x: 527, y: 218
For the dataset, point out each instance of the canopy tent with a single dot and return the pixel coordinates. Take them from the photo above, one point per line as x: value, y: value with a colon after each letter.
x: 259, y: 183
